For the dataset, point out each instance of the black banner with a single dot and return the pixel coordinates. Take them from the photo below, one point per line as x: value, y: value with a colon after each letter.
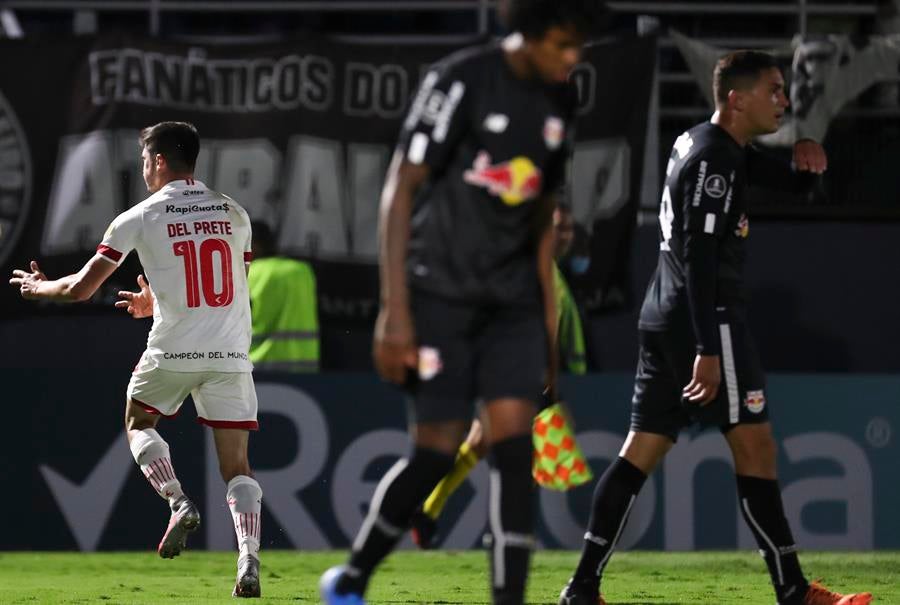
x: 299, y: 133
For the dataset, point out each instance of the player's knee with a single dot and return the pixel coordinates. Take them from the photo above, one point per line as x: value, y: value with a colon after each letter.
x: 767, y: 452
x: 137, y: 419
x: 755, y: 454
x: 444, y: 437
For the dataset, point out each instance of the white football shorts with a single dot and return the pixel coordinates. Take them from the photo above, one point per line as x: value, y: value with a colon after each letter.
x: 225, y: 400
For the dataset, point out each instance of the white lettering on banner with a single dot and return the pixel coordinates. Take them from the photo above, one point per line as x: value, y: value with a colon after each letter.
x: 327, y: 208
x: 83, y: 198
x: 367, y: 165
x: 314, y: 221
x: 568, y: 530
x: 680, y: 468
x: 281, y: 487
x: 601, y: 179
x: 247, y: 171
x: 350, y: 490
x: 375, y: 90
x: 87, y: 507
x: 853, y: 488
x: 195, y: 82
x: 349, y: 307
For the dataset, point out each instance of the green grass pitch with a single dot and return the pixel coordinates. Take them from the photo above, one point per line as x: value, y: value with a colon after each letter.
x: 430, y: 577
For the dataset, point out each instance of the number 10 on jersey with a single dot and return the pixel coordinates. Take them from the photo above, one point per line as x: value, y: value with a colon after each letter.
x: 202, y: 275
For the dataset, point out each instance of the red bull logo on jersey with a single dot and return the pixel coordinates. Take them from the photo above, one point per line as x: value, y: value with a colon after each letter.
x: 515, y: 181
x: 743, y: 226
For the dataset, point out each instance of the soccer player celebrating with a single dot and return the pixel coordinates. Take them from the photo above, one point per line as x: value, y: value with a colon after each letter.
x: 467, y: 300
x: 194, y: 245
x: 697, y: 362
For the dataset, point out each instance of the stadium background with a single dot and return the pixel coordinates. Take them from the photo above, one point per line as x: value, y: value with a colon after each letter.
x: 822, y: 273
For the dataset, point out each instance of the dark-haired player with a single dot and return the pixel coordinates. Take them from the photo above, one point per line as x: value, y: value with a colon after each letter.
x: 194, y: 244
x: 467, y: 299
x: 697, y: 361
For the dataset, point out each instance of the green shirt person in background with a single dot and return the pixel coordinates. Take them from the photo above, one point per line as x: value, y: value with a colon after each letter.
x: 571, y: 351
x: 283, y: 309
x: 571, y: 335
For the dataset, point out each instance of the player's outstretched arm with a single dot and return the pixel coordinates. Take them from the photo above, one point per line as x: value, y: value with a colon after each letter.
x: 137, y: 304
x: 800, y: 176
x: 77, y: 287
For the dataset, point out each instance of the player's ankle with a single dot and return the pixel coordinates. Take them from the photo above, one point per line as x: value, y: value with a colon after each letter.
x: 352, y: 581
x: 585, y: 585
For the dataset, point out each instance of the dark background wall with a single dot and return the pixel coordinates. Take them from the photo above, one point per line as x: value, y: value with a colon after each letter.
x: 823, y: 297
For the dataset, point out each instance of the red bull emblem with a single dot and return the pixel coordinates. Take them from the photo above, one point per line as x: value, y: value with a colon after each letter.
x: 554, y: 131
x: 755, y: 401
x: 514, y: 182
x: 430, y: 364
x: 743, y: 227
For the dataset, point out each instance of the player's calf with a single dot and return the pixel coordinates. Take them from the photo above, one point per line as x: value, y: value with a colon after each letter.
x: 151, y: 452
x: 511, y: 518
x: 244, y: 497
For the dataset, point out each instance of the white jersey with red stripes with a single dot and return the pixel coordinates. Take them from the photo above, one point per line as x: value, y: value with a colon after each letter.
x: 192, y: 243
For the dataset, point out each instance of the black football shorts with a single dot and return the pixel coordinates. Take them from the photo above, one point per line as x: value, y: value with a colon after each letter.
x: 474, y: 352
x: 665, y: 367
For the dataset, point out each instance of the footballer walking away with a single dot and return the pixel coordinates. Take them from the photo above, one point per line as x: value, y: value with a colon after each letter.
x: 194, y: 245
x: 697, y: 361
x: 467, y: 298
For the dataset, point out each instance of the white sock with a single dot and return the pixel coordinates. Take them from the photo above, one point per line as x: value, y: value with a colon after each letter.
x: 244, y: 498
x: 151, y: 452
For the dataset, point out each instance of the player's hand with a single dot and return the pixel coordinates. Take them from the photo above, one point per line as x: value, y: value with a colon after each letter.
x: 809, y: 156
x: 394, y: 346
x: 138, y: 304
x: 704, y: 384
x: 28, y: 283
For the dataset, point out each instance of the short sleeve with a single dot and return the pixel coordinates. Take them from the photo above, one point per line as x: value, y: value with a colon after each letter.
x: 248, y: 245
x: 708, y: 186
x: 436, y: 120
x: 121, y: 237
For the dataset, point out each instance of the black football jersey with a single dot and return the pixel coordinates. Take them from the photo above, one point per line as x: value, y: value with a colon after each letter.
x: 703, y: 226
x: 495, y: 143
x: 703, y: 229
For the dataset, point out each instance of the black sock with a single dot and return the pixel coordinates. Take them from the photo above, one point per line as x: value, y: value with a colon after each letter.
x: 760, y: 502
x: 399, y: 492
x: 511, y: 518
x: 614, y: 496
